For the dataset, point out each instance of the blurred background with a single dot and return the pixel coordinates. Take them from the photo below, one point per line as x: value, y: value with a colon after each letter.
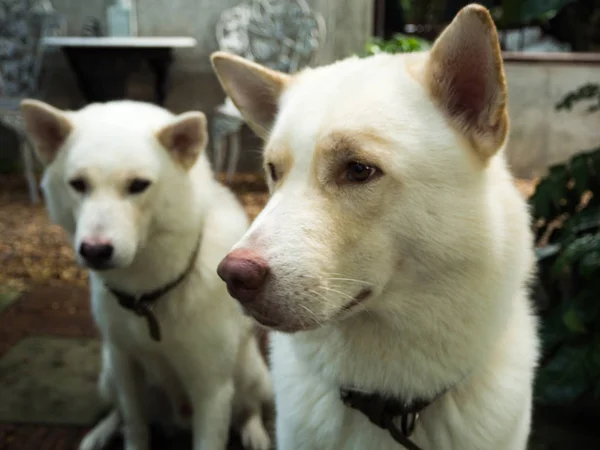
x: 73, y: 52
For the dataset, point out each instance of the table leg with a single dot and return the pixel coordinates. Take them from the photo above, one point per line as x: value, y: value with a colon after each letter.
x: 101, y: 74
x: 160, y: 64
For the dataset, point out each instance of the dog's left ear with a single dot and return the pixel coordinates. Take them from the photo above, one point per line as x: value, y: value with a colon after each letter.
x: 47, y: 126
x: 466, y: 79
x: 185, y: 137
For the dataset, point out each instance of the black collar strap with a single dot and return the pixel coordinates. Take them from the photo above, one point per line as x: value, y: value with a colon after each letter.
x: 142, y: 305
x: 383, y: 411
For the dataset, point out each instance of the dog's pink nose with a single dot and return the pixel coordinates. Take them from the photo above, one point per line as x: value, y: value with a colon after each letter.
x: 245, y: 273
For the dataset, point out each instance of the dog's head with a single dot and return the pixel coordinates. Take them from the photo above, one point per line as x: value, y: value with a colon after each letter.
x: 114, y: 173
x: 379, y: 171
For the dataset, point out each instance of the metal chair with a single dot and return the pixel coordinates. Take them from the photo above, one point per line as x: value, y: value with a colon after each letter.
x: 23, y: 24
x: 284, y: 35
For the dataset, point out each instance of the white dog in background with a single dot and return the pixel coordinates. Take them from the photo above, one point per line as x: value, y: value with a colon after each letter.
x: 394, y: 255
x: 131, y: 186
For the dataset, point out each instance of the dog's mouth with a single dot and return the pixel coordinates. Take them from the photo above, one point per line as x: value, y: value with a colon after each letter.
x: 357, y: 300
x: 276, y: 325
x: 271, y: 322
x: 98, y: 267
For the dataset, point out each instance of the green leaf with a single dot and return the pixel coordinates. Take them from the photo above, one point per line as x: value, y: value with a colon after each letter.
x: 587, y: 303
x: 589, y: 266
x: 554, y: 332
x: 581, y: 173
x: 594, y: 159
x: 564, y: 378
x: 589, y: 91
x: 594, y: 360
x: 522, y: 11
x: 399, y: 43
x: 547, y: 196
x: 574, y: 251
x: 584, y: 221
x: 573, y: 321
x: 540, y: 200
x: 547, y: 251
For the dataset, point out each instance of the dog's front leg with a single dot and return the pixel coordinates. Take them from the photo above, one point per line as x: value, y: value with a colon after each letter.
x: 130, y: 400
x: 212, y: 416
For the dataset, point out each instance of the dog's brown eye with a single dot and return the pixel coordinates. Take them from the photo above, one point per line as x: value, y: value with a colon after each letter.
x: 360, y: 173
x: 138, y: 185
x: 273, y: 173
x: 79, y: 185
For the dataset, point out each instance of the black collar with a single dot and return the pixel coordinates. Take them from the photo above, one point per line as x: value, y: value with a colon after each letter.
x: 384, y: 410
x: 142, y: 305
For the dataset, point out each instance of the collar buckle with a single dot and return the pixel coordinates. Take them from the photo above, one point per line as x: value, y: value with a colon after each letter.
x: 385, y: 411
x: 142, y: 304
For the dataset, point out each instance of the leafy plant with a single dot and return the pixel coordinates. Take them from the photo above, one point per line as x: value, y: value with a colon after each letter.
x: 399, y: 43
x: 590, y: 91
x: 524, y: 11
x: 566, y: 209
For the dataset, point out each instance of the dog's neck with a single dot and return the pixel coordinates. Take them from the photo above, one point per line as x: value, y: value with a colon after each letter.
x: 156, y: 264
x: 410, y: 361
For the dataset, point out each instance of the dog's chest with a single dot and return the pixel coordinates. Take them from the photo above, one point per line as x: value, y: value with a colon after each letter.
x: 131, y: 334
x: 122, y: 326
x: 311, y: 414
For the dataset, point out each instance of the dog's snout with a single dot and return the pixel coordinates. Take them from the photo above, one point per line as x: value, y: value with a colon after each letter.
x: 245, y: 273
x: 96, y: 254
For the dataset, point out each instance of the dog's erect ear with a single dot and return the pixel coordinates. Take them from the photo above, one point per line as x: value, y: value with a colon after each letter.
x: 47, y: 126
x: 254, y: 89
x: 185, y: 137
x: 465, y: 77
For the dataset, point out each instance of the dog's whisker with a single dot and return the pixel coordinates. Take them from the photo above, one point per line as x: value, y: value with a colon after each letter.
x: 324, y: 299
x: 351, y: 280
x: 338, y: 292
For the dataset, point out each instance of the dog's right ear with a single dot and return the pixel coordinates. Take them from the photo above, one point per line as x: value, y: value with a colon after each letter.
x: 47, y: 126
x: 185, y: 137
x: 254, y: 89
x: 466, y: 79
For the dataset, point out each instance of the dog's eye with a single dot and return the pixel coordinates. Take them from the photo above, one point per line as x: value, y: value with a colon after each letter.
x: 138, y: 185
x: 79, y: 185
x: 273, y: 172
x: 360, y: 173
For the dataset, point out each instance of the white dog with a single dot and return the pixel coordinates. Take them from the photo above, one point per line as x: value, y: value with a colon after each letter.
x: 130, y: 185
x: 394, y: 254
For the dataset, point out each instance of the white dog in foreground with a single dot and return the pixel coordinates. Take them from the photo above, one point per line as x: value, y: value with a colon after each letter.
x: 394, y: 254
x: 131, y: 186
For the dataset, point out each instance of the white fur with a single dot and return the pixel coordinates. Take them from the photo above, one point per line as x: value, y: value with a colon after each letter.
x: 442, y: 240
x: 208, y: 354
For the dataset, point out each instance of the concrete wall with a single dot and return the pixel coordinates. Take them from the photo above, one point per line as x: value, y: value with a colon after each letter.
x: 541, y: 136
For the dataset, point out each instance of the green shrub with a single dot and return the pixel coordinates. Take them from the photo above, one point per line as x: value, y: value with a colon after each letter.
x: 399, y: 43
x: 566, y: 210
